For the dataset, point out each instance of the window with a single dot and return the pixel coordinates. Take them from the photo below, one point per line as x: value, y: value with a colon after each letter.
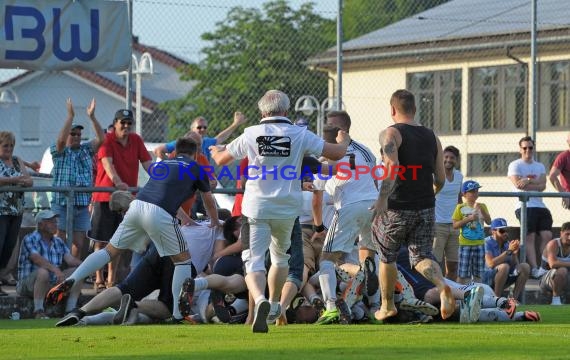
x: 498, y: 98
x: 438, y: 99
x: 554, y: 94
x: 547, y: 159
x: 490, y: 164
x: 30, y: 125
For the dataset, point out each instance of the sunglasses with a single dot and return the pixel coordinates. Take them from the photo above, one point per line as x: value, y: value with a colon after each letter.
x: 201, y: 127
x: 74, y: 134
x: 501, y: 231
x: 527, y: 147
x: 126, y: 123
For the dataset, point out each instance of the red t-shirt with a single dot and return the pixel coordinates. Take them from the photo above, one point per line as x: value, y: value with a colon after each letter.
x: 562, y: 163
x: 125, y: 159
x: 236, y: 211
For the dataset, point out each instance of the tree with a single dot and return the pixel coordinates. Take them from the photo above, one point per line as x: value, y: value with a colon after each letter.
x: 251, y: 52
x: 363, y: 16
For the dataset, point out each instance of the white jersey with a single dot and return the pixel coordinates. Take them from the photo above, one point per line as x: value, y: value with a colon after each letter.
x: 275, y: 149
x: 533, y: 170
x: 446, y: 199
x: 348, y: 187
x: 201, y: 239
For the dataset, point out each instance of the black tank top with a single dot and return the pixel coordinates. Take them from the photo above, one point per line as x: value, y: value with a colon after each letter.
x: 418, y: 150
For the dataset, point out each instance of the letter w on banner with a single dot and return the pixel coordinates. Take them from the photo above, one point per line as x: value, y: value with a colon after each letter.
x: 65, y: 34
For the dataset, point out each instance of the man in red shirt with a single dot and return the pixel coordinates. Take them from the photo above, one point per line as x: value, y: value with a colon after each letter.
x: 560, y: 174
x: 117, y: 166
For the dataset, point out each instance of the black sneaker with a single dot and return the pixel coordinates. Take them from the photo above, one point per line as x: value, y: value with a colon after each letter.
x: 345, y: 315
x: 173, y: 321
x: 370, y: 276
x: 186, y: 297
x: 217, y: 298
x: 71, y: 318
x: 124, y: 309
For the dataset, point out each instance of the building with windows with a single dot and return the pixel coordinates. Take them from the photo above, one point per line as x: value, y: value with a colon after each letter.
x: 467, y: 62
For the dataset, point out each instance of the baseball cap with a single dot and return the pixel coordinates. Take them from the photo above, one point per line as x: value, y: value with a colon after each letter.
x: 77, y: 126
x: 45, y: 215
x: 498, y: 223
x: 469, y: 185
x: 124, y: 114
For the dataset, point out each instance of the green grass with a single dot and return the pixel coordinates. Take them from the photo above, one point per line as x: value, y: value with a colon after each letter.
x: 39, y: 339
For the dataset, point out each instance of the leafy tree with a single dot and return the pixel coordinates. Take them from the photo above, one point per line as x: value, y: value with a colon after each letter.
x: 251, y: 52
x: 363, y: 16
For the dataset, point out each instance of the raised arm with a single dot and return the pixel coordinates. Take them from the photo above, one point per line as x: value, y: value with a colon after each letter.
x: 64, y: 132
x: 239, y: 119
x: 99, y: 133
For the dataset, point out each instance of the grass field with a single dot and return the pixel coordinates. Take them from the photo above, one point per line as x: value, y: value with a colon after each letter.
x: 39, y: 339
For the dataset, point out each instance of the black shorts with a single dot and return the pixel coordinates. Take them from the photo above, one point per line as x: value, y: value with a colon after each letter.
x: 537, y: 219
x: 230, y: 265
x: 104, y: 222
x: 151, y: 273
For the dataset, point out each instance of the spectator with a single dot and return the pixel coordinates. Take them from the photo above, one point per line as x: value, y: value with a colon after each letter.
x: 152, y: 215
x: 271, y: 204
x: 12, y: 173
x: 560, y: 174
x: 73, y: 166
x: 117, y: 166
x: 526, y: 174
x: 404, y: 212
x: 40, y: 263
x: 470, y: 217
x: 502, y: 261
x: 446, y: 240
x: 556, y: 261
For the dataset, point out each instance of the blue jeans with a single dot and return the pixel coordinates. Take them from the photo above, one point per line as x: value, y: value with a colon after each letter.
x: 296, y: 261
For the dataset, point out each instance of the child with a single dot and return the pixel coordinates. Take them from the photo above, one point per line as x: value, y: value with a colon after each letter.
x: 469, y: 217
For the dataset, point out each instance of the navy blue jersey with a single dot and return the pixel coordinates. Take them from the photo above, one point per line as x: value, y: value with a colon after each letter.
x: 418, y: 282
x: 172, y: 182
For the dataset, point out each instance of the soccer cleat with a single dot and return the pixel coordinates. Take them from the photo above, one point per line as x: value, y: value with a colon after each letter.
x: 186, y: 297
x: 58, y: 292
x: 473, y: 304
x: 531, y: 316
x: 345, y: 315
x: 219, y: 305
x: 274, y: 313
x: 353, y: 291
x: 328, y: 317
x: 418, y: 305
x: 370, y: 276
x: 510, y: 307
x: 122, y: 314
x: 71, y: 318
x: 319, y: 305
x: 261, y: 311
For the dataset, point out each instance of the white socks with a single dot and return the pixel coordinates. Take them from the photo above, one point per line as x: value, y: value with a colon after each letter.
x: 91, y: 264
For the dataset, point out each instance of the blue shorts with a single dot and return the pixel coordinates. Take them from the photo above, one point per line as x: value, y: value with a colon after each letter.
x: 81, y: 217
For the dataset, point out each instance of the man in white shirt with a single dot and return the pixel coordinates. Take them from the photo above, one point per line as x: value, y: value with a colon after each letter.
x: 526, y: 174
x: 272, y: 199
x: 446, y: 239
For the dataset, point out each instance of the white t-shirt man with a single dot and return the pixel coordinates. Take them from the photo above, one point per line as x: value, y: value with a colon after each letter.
x: 532, y: 170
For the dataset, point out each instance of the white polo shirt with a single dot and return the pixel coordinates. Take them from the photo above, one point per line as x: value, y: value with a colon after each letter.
x: 275, y: 149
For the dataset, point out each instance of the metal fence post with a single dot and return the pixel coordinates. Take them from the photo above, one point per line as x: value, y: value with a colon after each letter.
x: 69, y: 200
x: 523, y: 233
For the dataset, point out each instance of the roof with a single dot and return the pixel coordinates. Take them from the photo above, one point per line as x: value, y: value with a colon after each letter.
x: 474, y: 21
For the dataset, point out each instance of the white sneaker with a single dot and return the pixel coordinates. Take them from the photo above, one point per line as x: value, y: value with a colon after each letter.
x: 537, y: 273
x: 274, y: 313
x: 261, y: 311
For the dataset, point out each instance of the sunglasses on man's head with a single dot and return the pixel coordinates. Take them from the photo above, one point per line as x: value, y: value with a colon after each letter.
x: 201, y: 127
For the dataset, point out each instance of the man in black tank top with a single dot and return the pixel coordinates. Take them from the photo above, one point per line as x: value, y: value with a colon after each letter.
x: 404, y: 213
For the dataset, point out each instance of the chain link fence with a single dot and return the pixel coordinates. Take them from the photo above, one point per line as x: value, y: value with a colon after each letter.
x: 467, y: 61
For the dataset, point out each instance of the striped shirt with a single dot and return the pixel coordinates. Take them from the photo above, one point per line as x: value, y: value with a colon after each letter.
x: 73, y: 167
x: 34, y: 244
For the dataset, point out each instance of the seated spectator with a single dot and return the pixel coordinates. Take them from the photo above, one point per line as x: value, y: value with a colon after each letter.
x: 556, y: 261
x: 502, y: 267
x: 40, y: 264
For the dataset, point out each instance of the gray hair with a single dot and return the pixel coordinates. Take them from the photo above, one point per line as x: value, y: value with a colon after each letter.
x: 273, y: 102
